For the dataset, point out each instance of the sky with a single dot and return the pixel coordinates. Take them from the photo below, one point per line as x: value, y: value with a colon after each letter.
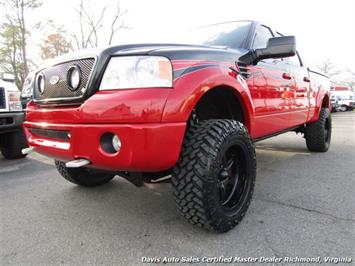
x: 324, y: 29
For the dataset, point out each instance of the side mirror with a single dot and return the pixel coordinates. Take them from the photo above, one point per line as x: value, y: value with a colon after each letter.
x: 277, y: 47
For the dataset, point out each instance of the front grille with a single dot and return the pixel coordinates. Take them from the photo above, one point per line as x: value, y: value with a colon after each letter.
x: 49, y: 133
x: 60, y: 90
x: 2, y: 99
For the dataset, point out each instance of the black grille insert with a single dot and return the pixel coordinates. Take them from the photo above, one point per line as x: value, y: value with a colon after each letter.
x: 49, y: 133
x: 56, y: 80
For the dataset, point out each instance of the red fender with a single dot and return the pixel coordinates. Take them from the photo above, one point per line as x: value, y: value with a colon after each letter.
x: 189, y: 88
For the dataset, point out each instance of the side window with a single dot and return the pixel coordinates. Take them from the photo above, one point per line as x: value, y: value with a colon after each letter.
x: 263, y: 34
x: 293, y: 60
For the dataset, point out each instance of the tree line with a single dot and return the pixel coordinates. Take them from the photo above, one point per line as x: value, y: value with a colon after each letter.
x: 15, y: 33
x: 335, y: 74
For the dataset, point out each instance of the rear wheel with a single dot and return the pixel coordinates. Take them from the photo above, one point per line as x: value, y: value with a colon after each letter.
x: 83, y: 176
x: 214, y: 178
x: 12, y: 144
x: 318, y: 134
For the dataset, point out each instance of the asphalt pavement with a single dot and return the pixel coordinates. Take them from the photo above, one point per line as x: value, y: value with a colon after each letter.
x: 303, y: 206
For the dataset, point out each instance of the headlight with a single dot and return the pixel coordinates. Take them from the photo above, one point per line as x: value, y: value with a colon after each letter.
x: 27, y: 88
x: 128, y: 72
x: 14, y: 101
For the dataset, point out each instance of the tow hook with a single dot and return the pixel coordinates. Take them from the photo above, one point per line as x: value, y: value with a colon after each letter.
x: 77, y: 163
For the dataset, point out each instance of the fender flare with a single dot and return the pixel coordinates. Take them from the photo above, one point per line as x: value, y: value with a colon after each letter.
x: 189, y: 89
x: 319, y: 105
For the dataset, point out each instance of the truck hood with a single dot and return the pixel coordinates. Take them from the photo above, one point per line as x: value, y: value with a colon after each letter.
x: 171, y: 51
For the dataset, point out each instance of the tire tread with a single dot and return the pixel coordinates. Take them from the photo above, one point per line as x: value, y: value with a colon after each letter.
x: 315, y: 133
x: 83, y: 176
x: 198, y: 150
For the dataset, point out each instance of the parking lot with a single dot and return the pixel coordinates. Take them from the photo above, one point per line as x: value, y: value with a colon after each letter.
x: 303, y: 206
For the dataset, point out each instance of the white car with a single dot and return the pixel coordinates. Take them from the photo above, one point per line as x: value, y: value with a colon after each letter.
x: 346, y: 104
x: 345, y: 100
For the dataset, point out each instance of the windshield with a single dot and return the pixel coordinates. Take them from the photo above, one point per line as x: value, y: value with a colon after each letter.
x: 230, y: 34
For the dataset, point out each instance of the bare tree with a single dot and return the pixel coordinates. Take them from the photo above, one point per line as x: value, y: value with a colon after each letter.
x: 18, y: 18
x: 114, y: 27
x: 90, y: 24
x: 329, y: 68
x: 14, y: 36
x: 352, y: 73
x: 350, y: 81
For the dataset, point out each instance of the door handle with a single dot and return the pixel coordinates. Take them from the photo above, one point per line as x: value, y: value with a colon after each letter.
x: 306, y: 79
x: 301, y: 90
x: 286, y: 76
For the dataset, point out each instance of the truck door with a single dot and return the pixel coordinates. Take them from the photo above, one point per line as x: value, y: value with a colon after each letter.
x: 300, y: 90
x: 271, y: 89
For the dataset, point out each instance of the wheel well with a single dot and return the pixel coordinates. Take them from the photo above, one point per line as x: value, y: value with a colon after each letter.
x: 219, y: 103
x: 325, y: 102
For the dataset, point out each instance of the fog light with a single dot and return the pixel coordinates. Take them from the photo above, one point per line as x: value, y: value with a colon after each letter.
x: 40, y: 83
x: 110, y: 143
x: 74, y: 77
x: 116, y: 143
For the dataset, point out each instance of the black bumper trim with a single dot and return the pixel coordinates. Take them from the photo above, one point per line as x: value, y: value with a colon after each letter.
x: 49, y: 133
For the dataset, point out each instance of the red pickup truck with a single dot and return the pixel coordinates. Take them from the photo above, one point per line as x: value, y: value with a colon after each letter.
x: 192, y: 111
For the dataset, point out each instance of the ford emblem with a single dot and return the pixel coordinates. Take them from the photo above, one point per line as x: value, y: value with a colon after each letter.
x: 54, y: 80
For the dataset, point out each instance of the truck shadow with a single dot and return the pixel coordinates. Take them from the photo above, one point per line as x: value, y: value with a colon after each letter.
x: 121, y: 206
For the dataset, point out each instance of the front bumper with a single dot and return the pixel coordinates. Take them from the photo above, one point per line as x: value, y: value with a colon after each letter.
x: 10, y: 121
x: 145, y: 147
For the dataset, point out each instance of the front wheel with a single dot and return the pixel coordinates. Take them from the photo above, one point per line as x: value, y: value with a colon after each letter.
x: 214, y: 179
x: 83, y: 176
x: 318, y: 134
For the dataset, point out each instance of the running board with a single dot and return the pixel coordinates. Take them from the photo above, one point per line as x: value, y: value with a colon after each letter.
x: 77, y: 163
x: 26, y: 151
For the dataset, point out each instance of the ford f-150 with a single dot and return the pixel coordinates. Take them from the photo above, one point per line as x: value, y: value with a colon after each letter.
x: 192, y: 111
